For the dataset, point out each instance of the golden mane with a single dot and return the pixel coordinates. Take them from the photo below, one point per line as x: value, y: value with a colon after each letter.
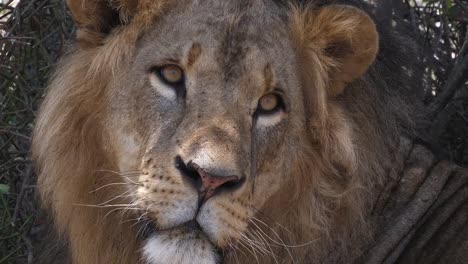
x: 68, y: 149
x: 69, y: 143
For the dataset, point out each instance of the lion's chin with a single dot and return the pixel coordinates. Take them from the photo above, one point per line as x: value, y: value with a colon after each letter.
x: 179, y: 246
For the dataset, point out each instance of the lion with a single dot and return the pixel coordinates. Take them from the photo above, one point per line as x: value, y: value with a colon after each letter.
x: 241, y: 131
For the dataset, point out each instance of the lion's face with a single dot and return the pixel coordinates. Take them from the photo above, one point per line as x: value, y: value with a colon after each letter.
x: 224, y: 120
x: 204, y: 114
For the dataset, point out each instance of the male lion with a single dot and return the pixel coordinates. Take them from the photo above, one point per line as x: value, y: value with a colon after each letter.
x: 241, y: 131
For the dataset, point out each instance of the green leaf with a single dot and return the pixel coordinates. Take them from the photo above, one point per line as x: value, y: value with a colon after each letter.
x: 4, y: 188
x: 449, y: 4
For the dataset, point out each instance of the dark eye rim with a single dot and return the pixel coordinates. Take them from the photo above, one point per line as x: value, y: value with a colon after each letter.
x: 280, y: 107
x: 179, y: 86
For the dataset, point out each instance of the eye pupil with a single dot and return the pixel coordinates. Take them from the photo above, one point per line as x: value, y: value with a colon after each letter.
x: 172, y: 74
x: 269, y: 102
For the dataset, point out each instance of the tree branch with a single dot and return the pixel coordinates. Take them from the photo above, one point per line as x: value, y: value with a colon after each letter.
x: 456, y: 80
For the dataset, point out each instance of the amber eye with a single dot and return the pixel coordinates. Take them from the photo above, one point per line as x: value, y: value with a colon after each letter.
x: 171, y: 74
x: 269, y: 103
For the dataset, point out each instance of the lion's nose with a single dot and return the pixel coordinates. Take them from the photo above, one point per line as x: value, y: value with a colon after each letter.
x: 206, y: 183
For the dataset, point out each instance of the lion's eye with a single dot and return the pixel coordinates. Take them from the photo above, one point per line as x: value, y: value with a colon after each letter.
x: 269, y: 103
x: 171, y: 74
x: 169, y: 80
x: 271, y: 110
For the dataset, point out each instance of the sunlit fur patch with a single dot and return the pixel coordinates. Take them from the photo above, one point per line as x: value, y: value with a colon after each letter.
x: 179, y: 247
x: 270, y: 120
x: 128, y: 149
x: 163, y: 89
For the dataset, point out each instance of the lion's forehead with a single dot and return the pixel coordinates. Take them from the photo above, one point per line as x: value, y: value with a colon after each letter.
x: 232, y: 33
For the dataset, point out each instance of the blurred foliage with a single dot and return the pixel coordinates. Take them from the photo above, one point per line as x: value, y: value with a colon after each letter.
x: 439, y: 30
x: 33, y: 34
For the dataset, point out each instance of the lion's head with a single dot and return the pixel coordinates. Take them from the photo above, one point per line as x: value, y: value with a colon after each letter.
x: 195, y: 131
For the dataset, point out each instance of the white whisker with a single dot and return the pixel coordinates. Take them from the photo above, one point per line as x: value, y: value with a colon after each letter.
x: 109, y: 184
x: 135, y: 172
x: 123, y: 195
x: 101, y: 206
x: 274, y: 232
x: 242, y: 243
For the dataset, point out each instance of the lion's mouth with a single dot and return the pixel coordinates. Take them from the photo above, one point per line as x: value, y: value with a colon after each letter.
x: 147, y: 228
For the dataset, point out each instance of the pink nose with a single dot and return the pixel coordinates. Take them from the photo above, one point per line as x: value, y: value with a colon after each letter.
x: 211, y: 183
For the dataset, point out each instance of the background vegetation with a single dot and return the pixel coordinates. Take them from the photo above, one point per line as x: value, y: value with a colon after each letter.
x: 33, y: 33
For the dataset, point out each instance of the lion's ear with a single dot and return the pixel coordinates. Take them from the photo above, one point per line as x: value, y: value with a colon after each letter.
x: 94, y: 19
x: 343, y: 38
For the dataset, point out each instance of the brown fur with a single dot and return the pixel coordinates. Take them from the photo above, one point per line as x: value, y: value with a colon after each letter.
x: 335, y: 171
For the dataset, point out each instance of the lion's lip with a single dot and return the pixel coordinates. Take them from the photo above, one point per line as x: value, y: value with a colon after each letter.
x: 192, y: 225
x: 148, y: 228
x: 191, y: 228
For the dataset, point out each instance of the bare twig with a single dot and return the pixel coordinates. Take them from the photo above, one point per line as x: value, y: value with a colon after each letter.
x: 27, y: 176
x: 457, y: 78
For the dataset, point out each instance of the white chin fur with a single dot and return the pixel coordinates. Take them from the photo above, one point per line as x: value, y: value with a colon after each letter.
x: 178, y: 249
